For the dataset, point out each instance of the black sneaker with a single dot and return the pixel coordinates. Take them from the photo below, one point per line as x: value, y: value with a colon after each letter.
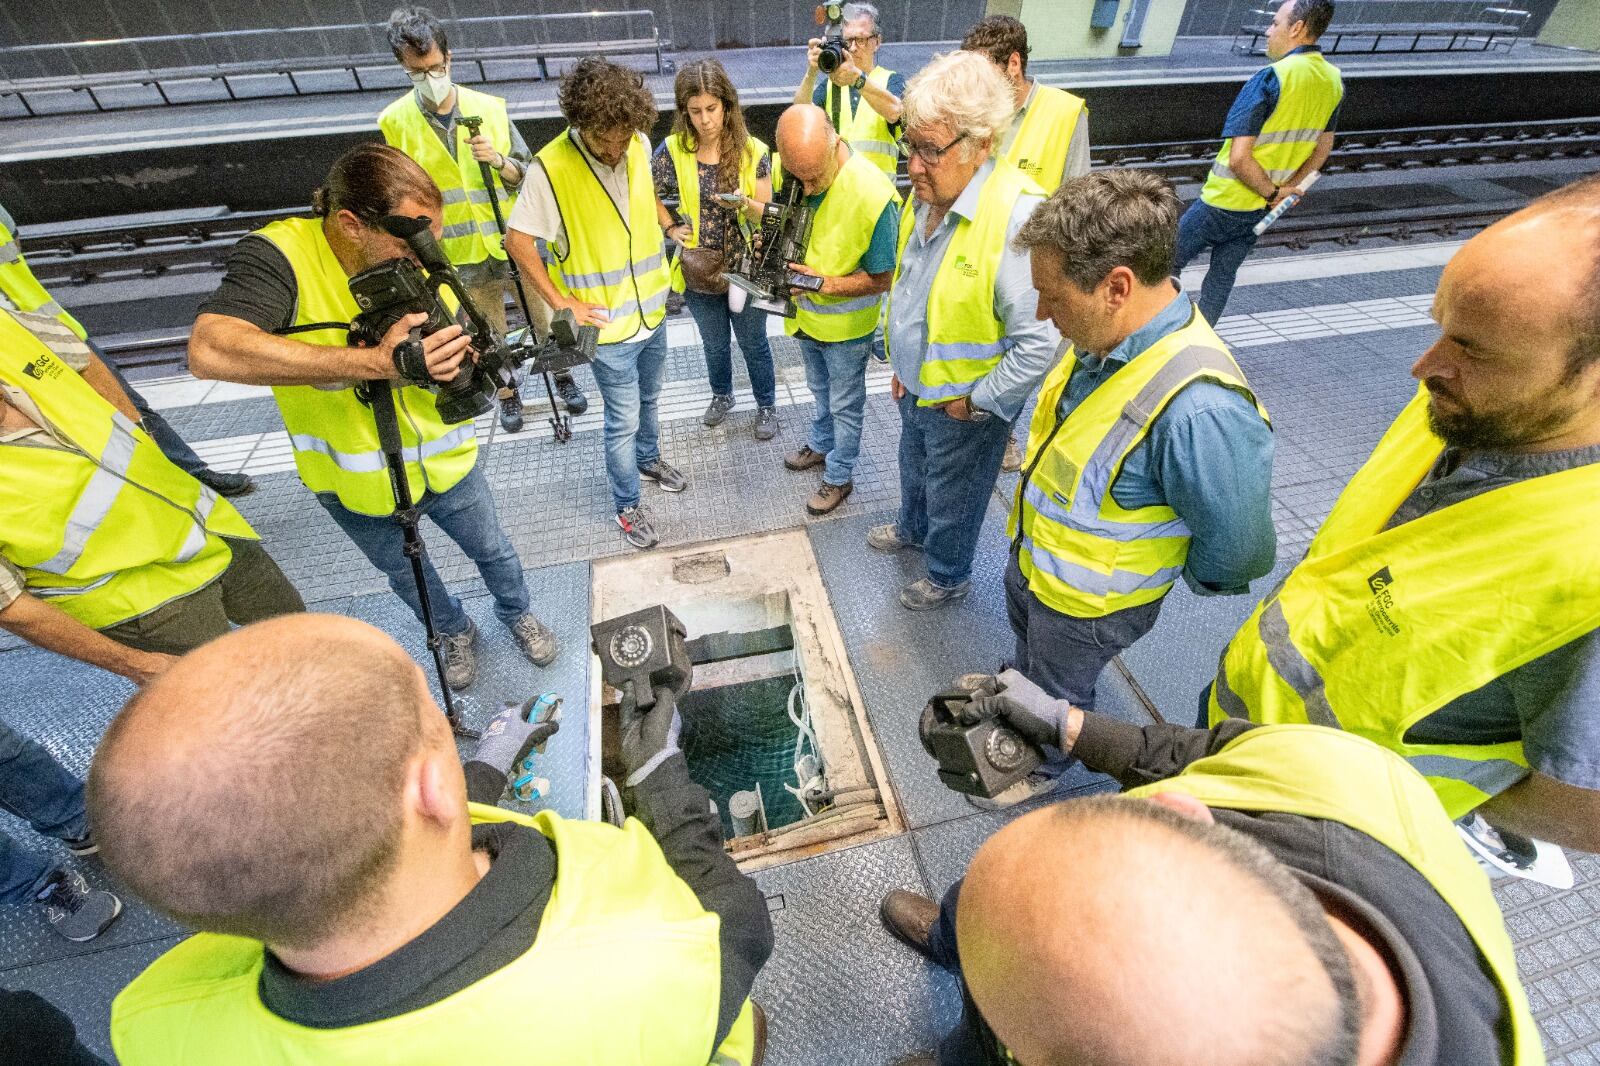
x: 511, y: 413
x: 663, y: 473
x: 717, y: 410
x: 637, y: 527
x: 461, y: 657
x: 571, y: 394
x: 74, y: 910
x: 82, y: 846
x: 227, y: 484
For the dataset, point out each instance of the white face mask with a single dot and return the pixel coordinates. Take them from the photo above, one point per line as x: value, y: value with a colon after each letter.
x: 435, y: 88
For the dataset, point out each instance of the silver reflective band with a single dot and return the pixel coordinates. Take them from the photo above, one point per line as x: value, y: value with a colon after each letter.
x: 460, y: 229
x: 1227, y: 699
x: 838, y: 307
x: 1490, y: 776
x: 948, y: 391
x: 96, y: 501
x: 1094, y: 583
x: 456, y: 195
x: 603, y: 280
x: 1294, y: 667
x: 371, y: 462
x: 875, y: 147
x: 10, y: 252
x: 1277, y: 177
x: 196, y: 539
x: 1288, y: 136
x: 1096, y: 526
x: 49, y: 307
x: 71, y: 590
x: 945, y: 352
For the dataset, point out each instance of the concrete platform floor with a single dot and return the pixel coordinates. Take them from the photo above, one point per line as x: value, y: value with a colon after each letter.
x: 1327, y: 340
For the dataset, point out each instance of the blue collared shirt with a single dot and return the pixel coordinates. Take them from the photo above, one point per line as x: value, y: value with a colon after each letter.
x: 1034, y: 344
x: 1208, y: 456
x: 1259, y: 98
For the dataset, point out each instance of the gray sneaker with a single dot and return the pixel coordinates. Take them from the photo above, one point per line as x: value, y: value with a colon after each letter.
x: 461, y: 657
x: 924, y: 595
x: 535, y: 640
x: 637, y: 527
x: 718, y: 410
x: 663, y: 473
x: 886, y: 538
x: 76, y: 911
x: 766, y: 423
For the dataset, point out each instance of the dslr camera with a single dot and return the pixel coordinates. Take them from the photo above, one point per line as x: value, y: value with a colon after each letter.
x: 831, y: 18
x: 981, y: 759
x: 759, y: 265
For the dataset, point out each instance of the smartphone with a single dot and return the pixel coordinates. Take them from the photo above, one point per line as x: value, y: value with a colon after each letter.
x: 732, y: 199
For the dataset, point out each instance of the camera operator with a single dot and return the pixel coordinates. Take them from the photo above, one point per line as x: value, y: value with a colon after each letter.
x: 591, y: 199
x: 1305, y: 875
x: 367, y: 903
x: 860, y: 98
x: 295, y: 273
x: 425, y: 124
x: 965, y: 339
x: 855, y: 217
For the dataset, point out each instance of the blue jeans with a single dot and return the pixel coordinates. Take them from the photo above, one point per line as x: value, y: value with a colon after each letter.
x: 836, y: 374
x: 1229, y: 236
x: 947, y: 471
x: 36, y: 788
x: 630, y: 376
x: 465, y: 511
x: 717, y: 323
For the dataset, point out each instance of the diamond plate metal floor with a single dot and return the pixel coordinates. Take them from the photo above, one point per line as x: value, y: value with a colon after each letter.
x: 838, y: 989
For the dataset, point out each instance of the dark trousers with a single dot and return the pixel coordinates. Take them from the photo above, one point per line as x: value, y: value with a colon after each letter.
x: 1230, y: 236
x: 250, y: 589
x: 39, y: 790
x: 947, y: 473
x: 718, y: 325
x: 971, y: 1042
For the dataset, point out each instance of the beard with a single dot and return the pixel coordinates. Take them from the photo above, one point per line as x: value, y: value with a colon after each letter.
x: 1504, y: 430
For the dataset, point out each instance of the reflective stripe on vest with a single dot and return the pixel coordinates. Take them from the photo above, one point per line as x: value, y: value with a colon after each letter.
x: 1378, y: 628
x: 626, y: 971
x: 1082, y: 553
x: 23, y: 290
x: 1336, y: 777
x: 470, y: 234
x: 841, y: 233
x: 334, y: 435
x: 862, y: 128
x: 612, y: 261
x: 1039, y: 148
x: 108, y: 528
x: 687, y: 171
x: 965, y: 339
x: 1309, y: 91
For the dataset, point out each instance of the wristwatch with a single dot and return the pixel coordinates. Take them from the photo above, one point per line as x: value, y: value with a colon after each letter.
x: 861, y: 80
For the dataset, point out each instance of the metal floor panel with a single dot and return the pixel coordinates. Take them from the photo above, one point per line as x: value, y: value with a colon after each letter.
x: 83, y: 987
x: 1557, y: 936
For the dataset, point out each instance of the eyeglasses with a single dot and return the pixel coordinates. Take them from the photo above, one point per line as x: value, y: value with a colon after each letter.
x: 856, y: 42
x: 929, y: 156
x: 419, y: 76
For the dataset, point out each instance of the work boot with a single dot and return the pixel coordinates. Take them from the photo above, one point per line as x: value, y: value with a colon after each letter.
x: 511, y: 413
x: 1012, y: 461
x: 535, y: 640
x: 717, y: 410
x: 663, y: 473
x: 76, y: 911
x: 637, y: 527
x: 909, y: 917
x: 827, y: 497
x: 758, y: 1045
x: 924, y: 595
x: 571, y: 394
x: 461, y: 657
x: 886, y: 538
x: 227, y: 484
x: 804, y: 459
x: 766, y: 423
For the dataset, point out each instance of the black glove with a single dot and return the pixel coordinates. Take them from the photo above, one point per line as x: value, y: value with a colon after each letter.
x: 411, y: 362
x: 651, y: 737
x: 1038, y: 717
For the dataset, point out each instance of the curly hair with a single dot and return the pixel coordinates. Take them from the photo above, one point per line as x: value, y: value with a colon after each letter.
x: 998, y: 36
x: 597, y: 95
x: 965, y: 91
x: 706, y: 77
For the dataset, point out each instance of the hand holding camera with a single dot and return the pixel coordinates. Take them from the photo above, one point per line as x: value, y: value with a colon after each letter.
x: 407, y: 356
x: 987, y: 738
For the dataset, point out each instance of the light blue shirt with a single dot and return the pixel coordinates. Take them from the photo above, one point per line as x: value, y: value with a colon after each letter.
x: 1034, y: 344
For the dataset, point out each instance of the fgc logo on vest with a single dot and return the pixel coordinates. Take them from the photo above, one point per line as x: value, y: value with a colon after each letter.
x: 44, y: 368
x: 1381, y: 606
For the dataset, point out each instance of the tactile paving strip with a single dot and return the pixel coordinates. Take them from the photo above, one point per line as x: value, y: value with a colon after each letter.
x: 1557, y: 935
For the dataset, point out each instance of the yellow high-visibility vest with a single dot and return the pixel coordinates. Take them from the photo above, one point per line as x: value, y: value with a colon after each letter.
x: 1039, y: 149
x: 1378, y: 628
x: 1338, y: 777
x: 334, y: 434
x: 23, y: 289
x: 841, y: 233
x: 1082, y: 553
x: 1309, y: 90
x: 625, y: 971
x: 863, y: 129
x: 687, y: 171
x: 612, y: 261
x: 965, y: 339
x: 470, y: 234
x: 114, y: 532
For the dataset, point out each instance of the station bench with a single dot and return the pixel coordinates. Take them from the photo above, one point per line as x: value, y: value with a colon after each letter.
x: 1474, y: 27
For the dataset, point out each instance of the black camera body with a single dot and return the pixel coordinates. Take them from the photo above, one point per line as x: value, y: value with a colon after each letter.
x: 759, y: 266
x: 983, y: 759
x: 647, y: 648
x: 833, y: 51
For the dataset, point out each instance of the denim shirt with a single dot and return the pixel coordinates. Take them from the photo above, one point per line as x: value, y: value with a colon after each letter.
x: 1208, y: 456
x: 1005, y: 389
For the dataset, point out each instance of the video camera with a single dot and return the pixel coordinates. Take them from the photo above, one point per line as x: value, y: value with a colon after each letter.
x: 647, y: 648
x: 831, y: 18
x: 759, y: 267
x: 394, y: 289
x: 981, y: 759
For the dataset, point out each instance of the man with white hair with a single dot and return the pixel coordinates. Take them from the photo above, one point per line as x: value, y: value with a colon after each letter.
x: 964, y: 337
x: 862, y: 99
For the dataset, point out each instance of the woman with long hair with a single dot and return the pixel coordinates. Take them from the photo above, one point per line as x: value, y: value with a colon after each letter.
x: 717, y: 172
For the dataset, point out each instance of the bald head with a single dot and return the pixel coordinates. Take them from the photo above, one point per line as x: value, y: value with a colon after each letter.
x: 809, y: 146
x: 1105, y: 931
x: 255, y: 787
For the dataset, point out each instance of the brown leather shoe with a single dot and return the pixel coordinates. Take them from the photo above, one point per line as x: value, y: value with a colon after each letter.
x: 827, y: 497
x: 804, y: 459
x: 909, y: 917
x: 758, y: 1053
